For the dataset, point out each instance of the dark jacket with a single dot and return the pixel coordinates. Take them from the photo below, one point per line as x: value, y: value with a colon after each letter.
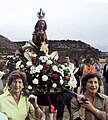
x: 105, y: 72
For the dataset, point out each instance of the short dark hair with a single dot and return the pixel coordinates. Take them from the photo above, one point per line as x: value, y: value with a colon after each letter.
x: 17, y: 74
x: 87, y: 76
x: 88, y: 60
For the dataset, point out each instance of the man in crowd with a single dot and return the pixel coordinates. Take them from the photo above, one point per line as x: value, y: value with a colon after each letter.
x: 64, y: 98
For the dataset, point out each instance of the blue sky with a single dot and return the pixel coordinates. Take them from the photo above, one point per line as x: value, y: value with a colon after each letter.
x: 85, y: 20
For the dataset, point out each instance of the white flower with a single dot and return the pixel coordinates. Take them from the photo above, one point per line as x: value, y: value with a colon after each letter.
x: 44, y: 77
x: 40, y: 66
x: 55, y: 68
x: 61, y: 72
x: 43, y: 59
x: 29, y: 87
x: 34, y: 69
x: 37, y: 70
x: 29, y: 63
x: 61, y: 82
x: 18, y: 64
x: 72, y: 84
x: 69, y: 74
x: 54, y: 85
x: 63, y: 67
x: 37, y: 75
x: 35, y: 81
x: 49, y: 62
x: 22, y: 66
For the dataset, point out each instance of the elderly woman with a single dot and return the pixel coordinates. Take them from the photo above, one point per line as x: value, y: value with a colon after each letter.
x: 14, y: 103
x: 96, y: 108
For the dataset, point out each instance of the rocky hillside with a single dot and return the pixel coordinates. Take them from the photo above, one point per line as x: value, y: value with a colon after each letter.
x: 73, y: 48
x: 7, y: 47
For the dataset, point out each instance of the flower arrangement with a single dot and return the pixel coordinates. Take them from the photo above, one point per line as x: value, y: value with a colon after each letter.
x: 45, y: 73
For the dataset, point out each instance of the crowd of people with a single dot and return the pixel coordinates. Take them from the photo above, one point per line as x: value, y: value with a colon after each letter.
x: 91, y: 78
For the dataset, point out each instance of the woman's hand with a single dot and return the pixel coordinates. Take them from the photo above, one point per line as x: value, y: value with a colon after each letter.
x: 81, y: 99
x: 94, y: 110
x: 38, y: 112
x: 88, y: 106
x: 33, y: 100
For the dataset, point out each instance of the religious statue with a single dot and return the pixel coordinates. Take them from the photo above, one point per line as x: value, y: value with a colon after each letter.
x: 39, y: 37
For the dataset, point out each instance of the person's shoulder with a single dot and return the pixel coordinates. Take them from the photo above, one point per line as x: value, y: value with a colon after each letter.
x: 71, y: 63
x: 74, y: 100
x: 74, y: 103
x: 103, y: 96
x: 3, y: 96
x: 3, y: 100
